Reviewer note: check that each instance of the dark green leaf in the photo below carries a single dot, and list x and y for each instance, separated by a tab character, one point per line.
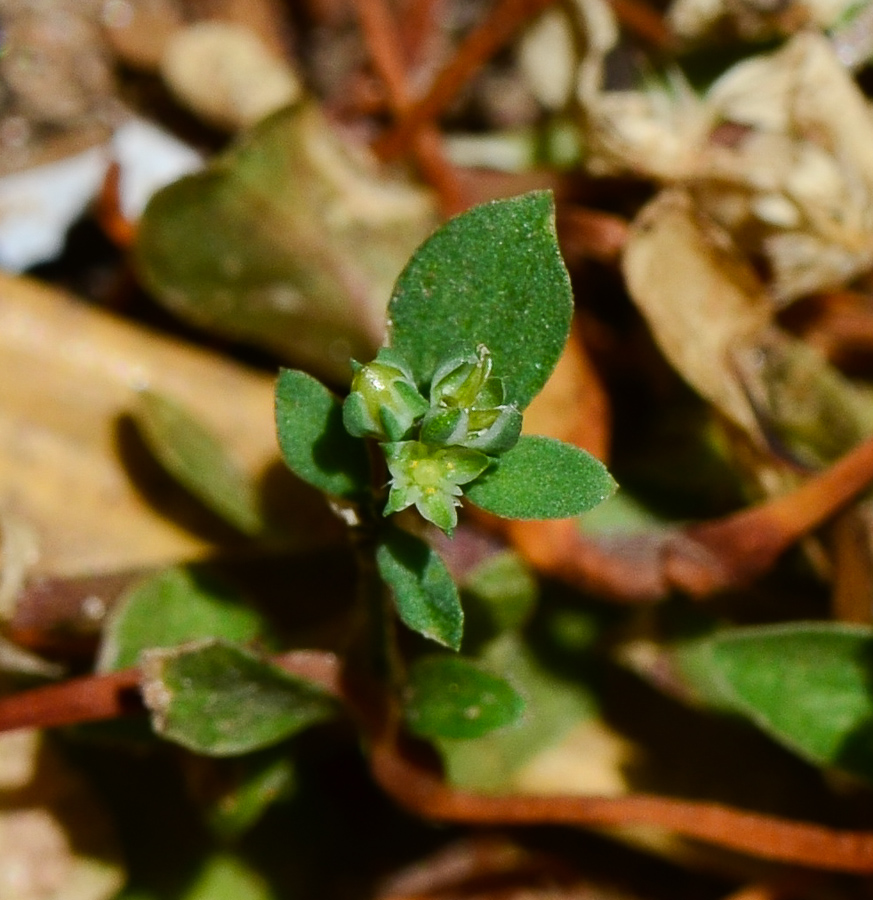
220	700
314	442
542	478
287	240
198	461
452	697
424	592
176	606
808	685
492	276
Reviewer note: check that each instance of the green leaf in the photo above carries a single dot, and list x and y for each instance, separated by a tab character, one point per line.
220	700
290	240
258	781
452	697
198	461
491	276
502	590
552	707
314	442
808	685
542	478
227	877
176	606
425	595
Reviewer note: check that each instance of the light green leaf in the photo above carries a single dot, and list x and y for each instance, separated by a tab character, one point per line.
290	239
808	685
542	478
452	697
258	781
227	877
424	593
314	443
503	591
176	606
220	700
491	276
198	461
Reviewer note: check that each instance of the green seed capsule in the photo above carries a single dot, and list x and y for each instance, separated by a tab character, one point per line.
384	402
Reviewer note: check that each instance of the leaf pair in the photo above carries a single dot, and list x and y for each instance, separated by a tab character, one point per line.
491	278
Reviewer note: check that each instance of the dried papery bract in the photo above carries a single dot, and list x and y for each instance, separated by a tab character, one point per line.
775	152
699	299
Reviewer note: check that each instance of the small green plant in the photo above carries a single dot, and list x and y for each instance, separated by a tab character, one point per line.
476	324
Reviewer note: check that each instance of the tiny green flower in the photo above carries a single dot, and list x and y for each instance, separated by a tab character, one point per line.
466	381
384	402
431	478
467	407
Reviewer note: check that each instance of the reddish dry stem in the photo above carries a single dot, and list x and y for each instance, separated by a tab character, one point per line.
640	19
591	233
736	549
94	698
118	229
90	699
384	42
504	21
110	696
418	19
762	836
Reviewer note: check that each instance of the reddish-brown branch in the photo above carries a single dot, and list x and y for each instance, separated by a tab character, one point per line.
94	698
591	233
120	230
421	791
640	19
734	550
90	699
504	21
384	41
765	837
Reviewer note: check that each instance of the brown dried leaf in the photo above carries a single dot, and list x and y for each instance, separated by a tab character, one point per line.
700	300
69	374
225	74
573	406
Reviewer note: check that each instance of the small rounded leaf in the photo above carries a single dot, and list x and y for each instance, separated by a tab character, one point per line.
425	595
542	478
493	276
452	697
314	443
218	699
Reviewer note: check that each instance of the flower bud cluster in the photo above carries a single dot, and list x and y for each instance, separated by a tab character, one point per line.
467	407
432	447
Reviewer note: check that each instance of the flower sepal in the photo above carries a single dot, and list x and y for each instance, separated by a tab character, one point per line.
430	479
384	402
